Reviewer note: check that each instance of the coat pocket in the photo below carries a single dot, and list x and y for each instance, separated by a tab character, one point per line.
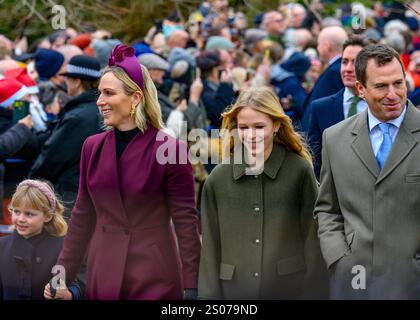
226	271
291	265
412	178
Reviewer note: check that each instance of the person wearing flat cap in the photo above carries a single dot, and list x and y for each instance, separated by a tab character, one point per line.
135	208
59	159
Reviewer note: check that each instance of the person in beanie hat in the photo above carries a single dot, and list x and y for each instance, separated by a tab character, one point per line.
79	119
48	63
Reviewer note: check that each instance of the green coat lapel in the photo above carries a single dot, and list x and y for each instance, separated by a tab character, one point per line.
271	166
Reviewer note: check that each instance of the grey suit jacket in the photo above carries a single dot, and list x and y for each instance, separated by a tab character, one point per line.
367	217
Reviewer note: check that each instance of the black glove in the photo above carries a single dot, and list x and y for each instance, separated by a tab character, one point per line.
190	294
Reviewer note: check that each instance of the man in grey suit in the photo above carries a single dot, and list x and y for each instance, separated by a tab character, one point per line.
368	208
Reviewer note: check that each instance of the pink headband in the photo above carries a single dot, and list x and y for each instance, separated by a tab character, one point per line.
43	188
123	56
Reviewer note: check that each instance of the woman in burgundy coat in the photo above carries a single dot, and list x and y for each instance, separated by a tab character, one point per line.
127	198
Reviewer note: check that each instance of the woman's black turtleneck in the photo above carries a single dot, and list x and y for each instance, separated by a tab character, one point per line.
123	138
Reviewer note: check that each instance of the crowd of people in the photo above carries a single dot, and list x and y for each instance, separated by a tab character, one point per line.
330	97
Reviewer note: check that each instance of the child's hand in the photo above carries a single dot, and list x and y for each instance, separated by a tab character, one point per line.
62	293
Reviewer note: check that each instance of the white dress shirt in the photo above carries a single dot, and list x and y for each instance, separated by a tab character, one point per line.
348	95
334	59
375	132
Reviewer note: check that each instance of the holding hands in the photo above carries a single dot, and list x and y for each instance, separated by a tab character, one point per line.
59	293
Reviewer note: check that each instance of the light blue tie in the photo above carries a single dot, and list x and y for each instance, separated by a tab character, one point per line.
386	145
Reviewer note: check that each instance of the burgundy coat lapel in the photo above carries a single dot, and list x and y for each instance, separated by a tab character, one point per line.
108	179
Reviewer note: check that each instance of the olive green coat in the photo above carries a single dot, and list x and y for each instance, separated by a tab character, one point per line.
259	237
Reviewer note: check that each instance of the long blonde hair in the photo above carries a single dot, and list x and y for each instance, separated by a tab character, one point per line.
148	110
264	100
35	199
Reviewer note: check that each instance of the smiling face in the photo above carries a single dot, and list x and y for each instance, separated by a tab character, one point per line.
114	104
348	74
256	131
385	91
28	222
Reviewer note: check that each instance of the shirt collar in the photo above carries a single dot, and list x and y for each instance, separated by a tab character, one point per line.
271	165
373	121
213	85
348	95
334	59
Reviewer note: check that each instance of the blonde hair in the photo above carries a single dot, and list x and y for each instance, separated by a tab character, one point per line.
35	199
264	100
148	110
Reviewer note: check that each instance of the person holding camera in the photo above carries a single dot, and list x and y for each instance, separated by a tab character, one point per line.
59	159
217	86
188	108
10	142
16	136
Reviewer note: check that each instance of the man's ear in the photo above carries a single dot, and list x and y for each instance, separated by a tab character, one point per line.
78	83
360	89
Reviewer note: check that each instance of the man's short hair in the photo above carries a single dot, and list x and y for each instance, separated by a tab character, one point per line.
89	85
381	54
357	40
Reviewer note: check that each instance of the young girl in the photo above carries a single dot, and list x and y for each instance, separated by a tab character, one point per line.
259	236
29	254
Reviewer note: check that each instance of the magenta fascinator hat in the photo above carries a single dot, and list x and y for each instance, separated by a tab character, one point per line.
123	56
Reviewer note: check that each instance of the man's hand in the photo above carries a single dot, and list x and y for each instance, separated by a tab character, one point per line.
195	91
182	106
226	76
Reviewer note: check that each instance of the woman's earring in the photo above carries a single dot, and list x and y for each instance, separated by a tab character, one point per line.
133	111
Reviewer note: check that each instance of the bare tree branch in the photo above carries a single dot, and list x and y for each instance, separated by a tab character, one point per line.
33	10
